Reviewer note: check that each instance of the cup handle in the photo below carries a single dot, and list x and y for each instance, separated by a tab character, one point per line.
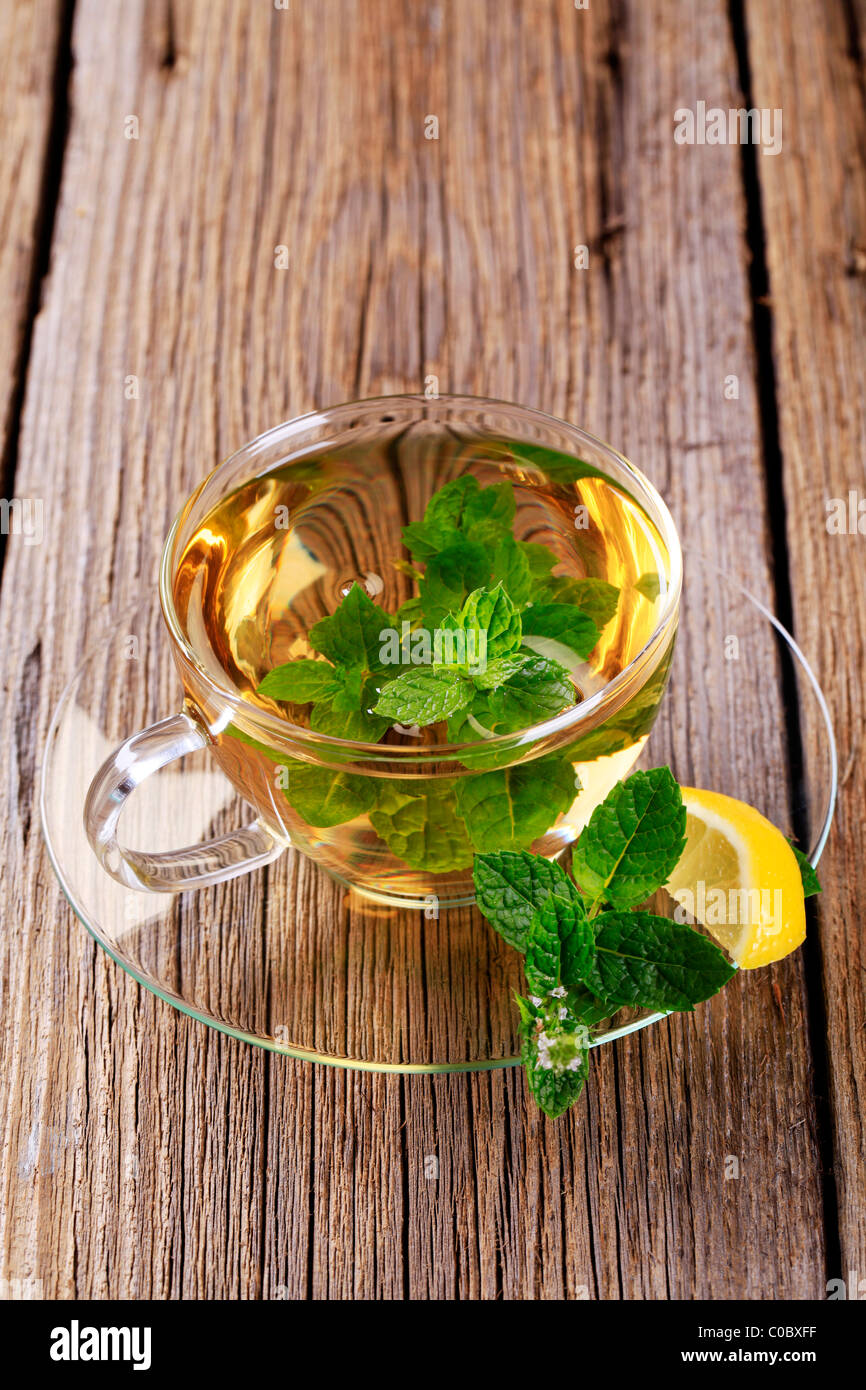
175	870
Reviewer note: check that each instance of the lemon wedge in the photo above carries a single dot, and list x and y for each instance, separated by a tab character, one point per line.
739	878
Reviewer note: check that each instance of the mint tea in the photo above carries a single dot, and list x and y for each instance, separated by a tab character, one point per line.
425	615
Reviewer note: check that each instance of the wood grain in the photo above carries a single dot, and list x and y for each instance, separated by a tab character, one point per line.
814	197
149	1156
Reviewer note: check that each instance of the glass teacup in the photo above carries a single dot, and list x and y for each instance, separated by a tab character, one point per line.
275	539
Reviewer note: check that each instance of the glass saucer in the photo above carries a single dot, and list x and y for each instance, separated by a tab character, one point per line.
290	960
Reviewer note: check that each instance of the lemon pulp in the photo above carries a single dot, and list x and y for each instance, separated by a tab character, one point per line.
739	878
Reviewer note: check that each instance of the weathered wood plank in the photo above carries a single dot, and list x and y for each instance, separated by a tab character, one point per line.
174	1162
809	62
30	31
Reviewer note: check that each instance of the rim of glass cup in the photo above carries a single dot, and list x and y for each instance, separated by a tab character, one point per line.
580	718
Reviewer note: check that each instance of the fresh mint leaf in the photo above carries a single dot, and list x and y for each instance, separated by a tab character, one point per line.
324	797
419	823
423	696
511	886
596	598
539	559
462	511
511	568
560	945
561	623
501	669
586	1007
447	505
450	577
358	725
298	682
344	694
411	610
538	691
424	539
488	513
650	962
511	807
811	884
491	612
351	635
456	651
341	697
633	840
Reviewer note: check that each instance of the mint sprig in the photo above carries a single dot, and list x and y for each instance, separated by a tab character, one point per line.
497	597
505	691
589	949
341	688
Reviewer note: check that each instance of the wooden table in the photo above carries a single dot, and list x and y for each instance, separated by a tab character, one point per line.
154	158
